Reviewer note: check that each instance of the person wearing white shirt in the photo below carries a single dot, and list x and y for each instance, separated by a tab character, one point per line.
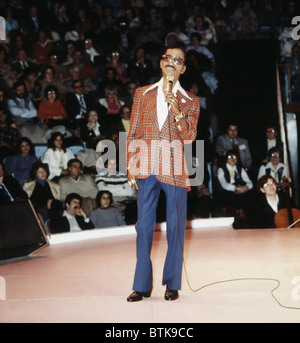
234	183
274	167
72	219
57	157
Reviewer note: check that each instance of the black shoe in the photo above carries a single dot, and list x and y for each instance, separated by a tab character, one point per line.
171	294
138	296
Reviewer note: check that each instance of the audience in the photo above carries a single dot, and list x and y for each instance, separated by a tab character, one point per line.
51	110
267	204
231	140
77	104
263	145
8	135
10	189
274	167
40	190
92	131
20	165
80	183
72	218
117	183
66	69
234	184
57	157
106	215
20	105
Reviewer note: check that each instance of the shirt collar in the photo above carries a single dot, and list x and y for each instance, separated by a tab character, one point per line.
177	87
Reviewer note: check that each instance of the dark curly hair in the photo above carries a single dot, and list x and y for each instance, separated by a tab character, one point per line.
35	167
99	196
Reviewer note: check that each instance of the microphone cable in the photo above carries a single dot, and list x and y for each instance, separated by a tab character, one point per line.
182	250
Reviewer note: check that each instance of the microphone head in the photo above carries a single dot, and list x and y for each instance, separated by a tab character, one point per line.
170	78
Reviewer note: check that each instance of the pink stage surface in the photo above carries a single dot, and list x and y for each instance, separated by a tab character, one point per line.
86	278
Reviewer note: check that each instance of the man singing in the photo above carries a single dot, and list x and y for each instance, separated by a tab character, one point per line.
164	117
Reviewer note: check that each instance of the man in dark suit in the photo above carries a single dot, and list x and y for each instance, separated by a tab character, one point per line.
23	63
10	190
72	219
263	145
78	104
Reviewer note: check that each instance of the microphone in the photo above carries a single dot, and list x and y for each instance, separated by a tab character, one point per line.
170	82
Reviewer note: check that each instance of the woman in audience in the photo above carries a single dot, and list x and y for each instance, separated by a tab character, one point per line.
234	184
111	101
91	132
268	203
57	157
51	110
41	190
106	215
274	167
48	78
20	164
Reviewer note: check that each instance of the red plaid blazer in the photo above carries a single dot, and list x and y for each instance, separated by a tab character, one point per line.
160	152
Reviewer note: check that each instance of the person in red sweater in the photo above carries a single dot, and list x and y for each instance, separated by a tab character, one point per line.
51	110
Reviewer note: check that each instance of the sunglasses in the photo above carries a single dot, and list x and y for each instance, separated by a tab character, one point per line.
176	60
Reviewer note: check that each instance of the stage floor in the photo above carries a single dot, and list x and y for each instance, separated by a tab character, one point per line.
88	280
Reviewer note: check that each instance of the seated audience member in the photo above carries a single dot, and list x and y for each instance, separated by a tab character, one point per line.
109	78
201	26
49	79
77	182
235	184
117	183
231	140
262	147
87	70
33	86
23	62
41	48
20	164
54	61
8	135
51	110
106	215
198	47
122	125
245	19
77	104
20	106
57	157
140	68
120	67
129	93
92	131
10	190
274	167
72	219
40	190
111	101
267	204
5	68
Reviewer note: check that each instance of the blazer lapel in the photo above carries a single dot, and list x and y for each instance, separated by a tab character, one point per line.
152	106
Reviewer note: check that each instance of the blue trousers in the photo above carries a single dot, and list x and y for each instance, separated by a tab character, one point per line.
176	211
